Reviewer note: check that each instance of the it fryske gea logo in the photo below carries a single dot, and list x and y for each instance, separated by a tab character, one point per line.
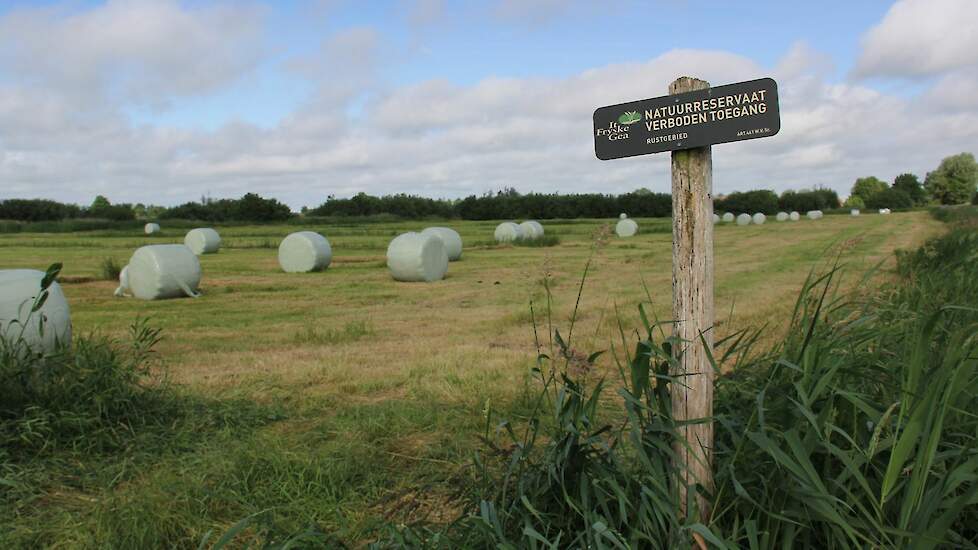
619	129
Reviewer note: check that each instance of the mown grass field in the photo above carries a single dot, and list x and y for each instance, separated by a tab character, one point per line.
346	399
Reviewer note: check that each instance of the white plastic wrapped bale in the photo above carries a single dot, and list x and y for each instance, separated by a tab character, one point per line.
123	289
416	257
794	216
161	271
743	219
782	216
728	217
18	326
812	215
508	232
202	240
304	252
531	229
854	212
151	228
626	227
716	218
884	210
759	218
450	238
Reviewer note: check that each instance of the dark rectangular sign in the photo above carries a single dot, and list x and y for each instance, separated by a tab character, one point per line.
745	110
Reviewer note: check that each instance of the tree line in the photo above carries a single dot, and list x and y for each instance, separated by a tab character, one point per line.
953	182
249	208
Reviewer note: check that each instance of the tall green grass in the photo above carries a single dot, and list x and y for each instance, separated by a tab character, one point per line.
856	430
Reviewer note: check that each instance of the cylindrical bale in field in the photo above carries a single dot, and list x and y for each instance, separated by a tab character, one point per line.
508	232
202	240
759	218
416	257
884	210
728	217
151	228
819	214
794	216
123	282
812	214
531	229
450	238
743	219
716	218
854	212
160	271
303	252
782	216
626	227
19	289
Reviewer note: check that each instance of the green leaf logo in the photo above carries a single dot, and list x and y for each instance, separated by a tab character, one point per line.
630	117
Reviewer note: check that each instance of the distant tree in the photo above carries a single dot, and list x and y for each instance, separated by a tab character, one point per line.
865	188
32	210
909	184
103	209
748	202
855	202
100	202
253	207
805	200
890	198
954	181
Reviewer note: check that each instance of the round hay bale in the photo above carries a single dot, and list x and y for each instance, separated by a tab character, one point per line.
743	219
450	238
416	257
794	216
884	210
759	218
531	229
123	289
854	212
304	252
160	271
812	214
19	288
727	217
151	228
626	228
716	218
202	240
782	216
508	232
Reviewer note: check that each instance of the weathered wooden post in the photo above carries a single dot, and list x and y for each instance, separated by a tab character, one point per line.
692	308
687	122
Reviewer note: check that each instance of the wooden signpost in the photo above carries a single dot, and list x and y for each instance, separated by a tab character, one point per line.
687	122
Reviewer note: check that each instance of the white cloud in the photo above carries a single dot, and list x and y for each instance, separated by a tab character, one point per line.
920	38
131	50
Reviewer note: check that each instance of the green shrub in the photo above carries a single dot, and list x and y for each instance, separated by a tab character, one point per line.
109	269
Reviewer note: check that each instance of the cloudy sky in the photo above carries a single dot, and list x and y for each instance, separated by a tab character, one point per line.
163	101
